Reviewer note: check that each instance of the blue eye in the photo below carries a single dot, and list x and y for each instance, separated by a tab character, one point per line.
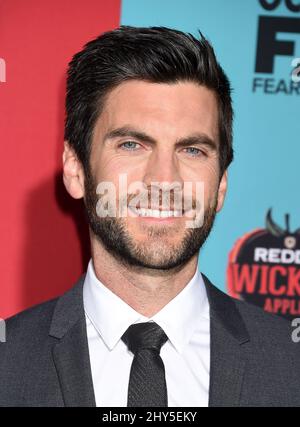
129	145
194	151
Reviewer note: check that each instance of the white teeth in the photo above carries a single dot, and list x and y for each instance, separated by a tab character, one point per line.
157	213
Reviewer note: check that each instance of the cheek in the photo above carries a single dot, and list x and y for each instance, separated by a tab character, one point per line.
112	164
108	168
206	173
210	172
209	177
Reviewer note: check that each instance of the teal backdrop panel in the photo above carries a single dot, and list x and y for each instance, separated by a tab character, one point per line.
265	173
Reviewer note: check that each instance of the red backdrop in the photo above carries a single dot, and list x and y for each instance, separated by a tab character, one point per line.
44	241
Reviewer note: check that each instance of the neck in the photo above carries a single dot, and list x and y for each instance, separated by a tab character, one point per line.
146	290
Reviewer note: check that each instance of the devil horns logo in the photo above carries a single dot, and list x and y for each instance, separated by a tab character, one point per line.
264	268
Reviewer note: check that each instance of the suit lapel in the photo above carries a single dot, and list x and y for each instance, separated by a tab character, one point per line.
71	354
229	338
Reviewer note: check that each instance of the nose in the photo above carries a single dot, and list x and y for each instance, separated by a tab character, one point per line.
162	176
162	167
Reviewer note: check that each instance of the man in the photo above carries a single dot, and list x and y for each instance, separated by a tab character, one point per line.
143	326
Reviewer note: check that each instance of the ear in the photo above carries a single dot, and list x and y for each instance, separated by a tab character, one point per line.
222	191
73	175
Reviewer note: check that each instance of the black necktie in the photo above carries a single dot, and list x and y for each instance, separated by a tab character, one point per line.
147	382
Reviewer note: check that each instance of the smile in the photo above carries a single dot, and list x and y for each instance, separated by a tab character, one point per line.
155	213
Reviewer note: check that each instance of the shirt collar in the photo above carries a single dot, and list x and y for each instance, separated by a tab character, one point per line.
111	316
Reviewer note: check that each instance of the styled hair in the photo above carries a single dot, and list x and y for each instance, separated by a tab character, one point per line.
154	54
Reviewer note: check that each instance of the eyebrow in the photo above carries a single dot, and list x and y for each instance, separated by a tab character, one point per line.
194	139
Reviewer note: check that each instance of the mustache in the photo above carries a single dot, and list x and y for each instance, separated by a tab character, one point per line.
167	200
114	201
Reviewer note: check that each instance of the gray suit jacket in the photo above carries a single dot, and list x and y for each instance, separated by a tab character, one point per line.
45	359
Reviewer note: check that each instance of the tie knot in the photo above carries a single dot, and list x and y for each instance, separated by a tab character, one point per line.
144	335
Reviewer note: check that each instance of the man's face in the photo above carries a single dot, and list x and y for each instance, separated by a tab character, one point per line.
155	133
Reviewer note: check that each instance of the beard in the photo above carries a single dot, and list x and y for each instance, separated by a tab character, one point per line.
156	251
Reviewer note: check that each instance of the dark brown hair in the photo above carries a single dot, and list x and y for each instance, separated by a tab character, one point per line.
154	54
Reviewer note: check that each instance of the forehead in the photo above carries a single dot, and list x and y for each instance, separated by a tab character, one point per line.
160	109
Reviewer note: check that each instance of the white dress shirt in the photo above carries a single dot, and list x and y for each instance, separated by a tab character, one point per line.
186	354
